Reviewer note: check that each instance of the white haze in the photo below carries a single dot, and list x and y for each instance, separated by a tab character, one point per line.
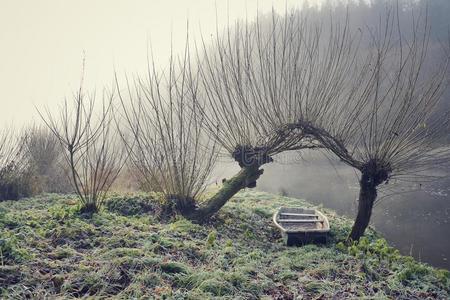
42	43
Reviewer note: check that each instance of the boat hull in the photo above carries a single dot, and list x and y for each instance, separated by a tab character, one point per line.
303	238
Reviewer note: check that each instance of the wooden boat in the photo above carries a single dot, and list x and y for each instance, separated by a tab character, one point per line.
301	226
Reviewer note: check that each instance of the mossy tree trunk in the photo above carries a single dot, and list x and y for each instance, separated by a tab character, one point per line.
246	177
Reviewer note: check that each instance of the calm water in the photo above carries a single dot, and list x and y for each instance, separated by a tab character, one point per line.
416	223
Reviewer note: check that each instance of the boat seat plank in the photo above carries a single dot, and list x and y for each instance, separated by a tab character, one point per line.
298	221
298	215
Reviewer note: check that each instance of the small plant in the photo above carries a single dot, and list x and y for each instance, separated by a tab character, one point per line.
443	276
62	213
378	248
211	239
174	267
412	271
216	287
131	206
10	251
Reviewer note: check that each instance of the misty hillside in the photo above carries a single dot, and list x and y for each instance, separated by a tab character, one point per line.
126	252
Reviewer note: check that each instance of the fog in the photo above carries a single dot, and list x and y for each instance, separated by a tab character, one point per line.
43	44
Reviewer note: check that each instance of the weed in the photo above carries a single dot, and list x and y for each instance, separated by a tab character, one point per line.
211	239
174	267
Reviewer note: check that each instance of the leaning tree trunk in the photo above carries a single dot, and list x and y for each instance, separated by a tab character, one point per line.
246	177
373	173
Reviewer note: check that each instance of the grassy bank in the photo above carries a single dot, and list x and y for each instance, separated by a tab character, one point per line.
48	249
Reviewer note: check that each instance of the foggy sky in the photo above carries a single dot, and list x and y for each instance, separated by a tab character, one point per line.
42	43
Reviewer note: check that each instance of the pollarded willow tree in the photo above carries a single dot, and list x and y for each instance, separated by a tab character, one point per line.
391	128
93	156
164	134
259	79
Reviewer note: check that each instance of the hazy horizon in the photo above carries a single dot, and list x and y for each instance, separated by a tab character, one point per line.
44	43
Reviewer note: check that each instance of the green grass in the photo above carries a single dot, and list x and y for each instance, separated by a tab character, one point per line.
48	250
